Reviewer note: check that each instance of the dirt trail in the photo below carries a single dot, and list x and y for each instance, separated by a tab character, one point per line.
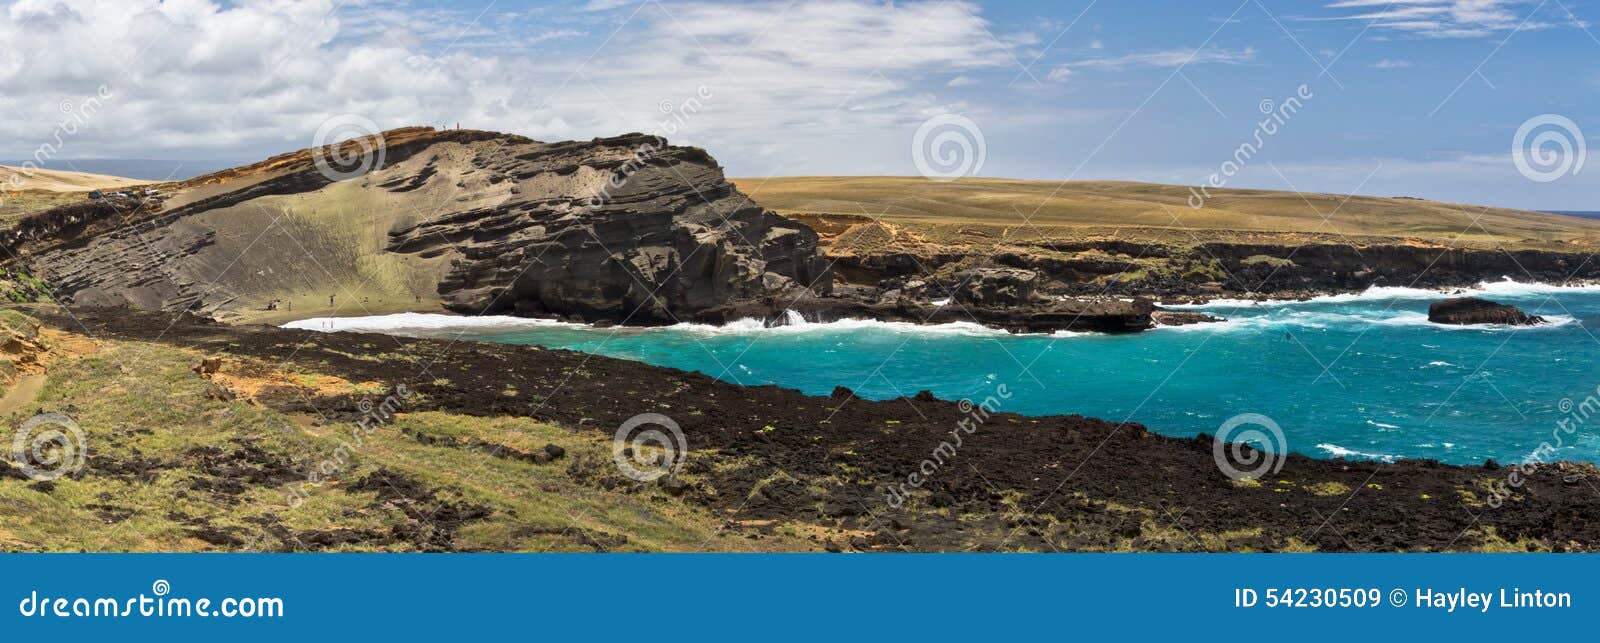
22	393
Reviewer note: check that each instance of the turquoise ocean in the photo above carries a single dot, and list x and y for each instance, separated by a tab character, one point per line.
1361	376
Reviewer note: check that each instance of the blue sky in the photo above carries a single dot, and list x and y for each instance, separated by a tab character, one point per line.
1411	97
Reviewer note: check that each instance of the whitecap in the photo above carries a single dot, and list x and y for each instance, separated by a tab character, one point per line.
1337	451
1319	320
1381	425
1506	287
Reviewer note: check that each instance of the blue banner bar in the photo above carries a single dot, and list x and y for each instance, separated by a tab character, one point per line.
794	597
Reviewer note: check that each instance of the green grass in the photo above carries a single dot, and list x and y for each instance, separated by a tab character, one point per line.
141	403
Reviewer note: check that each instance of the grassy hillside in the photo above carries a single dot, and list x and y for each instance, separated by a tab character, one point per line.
180	461
1015	209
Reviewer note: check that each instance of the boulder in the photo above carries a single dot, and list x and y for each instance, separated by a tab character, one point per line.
1463	311
996	287
1182	318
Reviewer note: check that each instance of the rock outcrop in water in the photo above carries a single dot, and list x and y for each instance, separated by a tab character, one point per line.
1463	311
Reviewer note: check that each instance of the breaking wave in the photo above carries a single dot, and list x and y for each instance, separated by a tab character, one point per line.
1336	451
433	323
1506	287
1284	318
401	322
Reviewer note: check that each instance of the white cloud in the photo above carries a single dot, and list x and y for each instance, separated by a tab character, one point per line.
554	34
1166	59
1392	63
1171	58
607	5
961	81
201	78
1450	18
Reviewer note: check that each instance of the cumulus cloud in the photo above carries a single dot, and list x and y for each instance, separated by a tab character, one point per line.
198	76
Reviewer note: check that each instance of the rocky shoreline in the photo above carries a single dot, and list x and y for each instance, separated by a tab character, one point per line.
1061	483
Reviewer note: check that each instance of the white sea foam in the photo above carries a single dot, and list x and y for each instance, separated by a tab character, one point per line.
1506	287
751	326
1381	425
1289	319
401	322
1252	316
1337	451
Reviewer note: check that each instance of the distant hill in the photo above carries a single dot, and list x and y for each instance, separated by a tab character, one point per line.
142	169
15	179
1576	213
1018	209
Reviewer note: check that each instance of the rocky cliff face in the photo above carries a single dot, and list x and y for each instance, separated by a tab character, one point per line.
1179	271
625	229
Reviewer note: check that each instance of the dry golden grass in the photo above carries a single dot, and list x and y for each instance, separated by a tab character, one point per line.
24	192
18	179
1020	209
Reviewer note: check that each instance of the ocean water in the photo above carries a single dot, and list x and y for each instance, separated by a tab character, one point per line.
1359	376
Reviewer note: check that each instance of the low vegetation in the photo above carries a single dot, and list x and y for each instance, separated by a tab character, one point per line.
179	461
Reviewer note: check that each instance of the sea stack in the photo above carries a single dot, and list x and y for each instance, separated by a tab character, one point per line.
1462	311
